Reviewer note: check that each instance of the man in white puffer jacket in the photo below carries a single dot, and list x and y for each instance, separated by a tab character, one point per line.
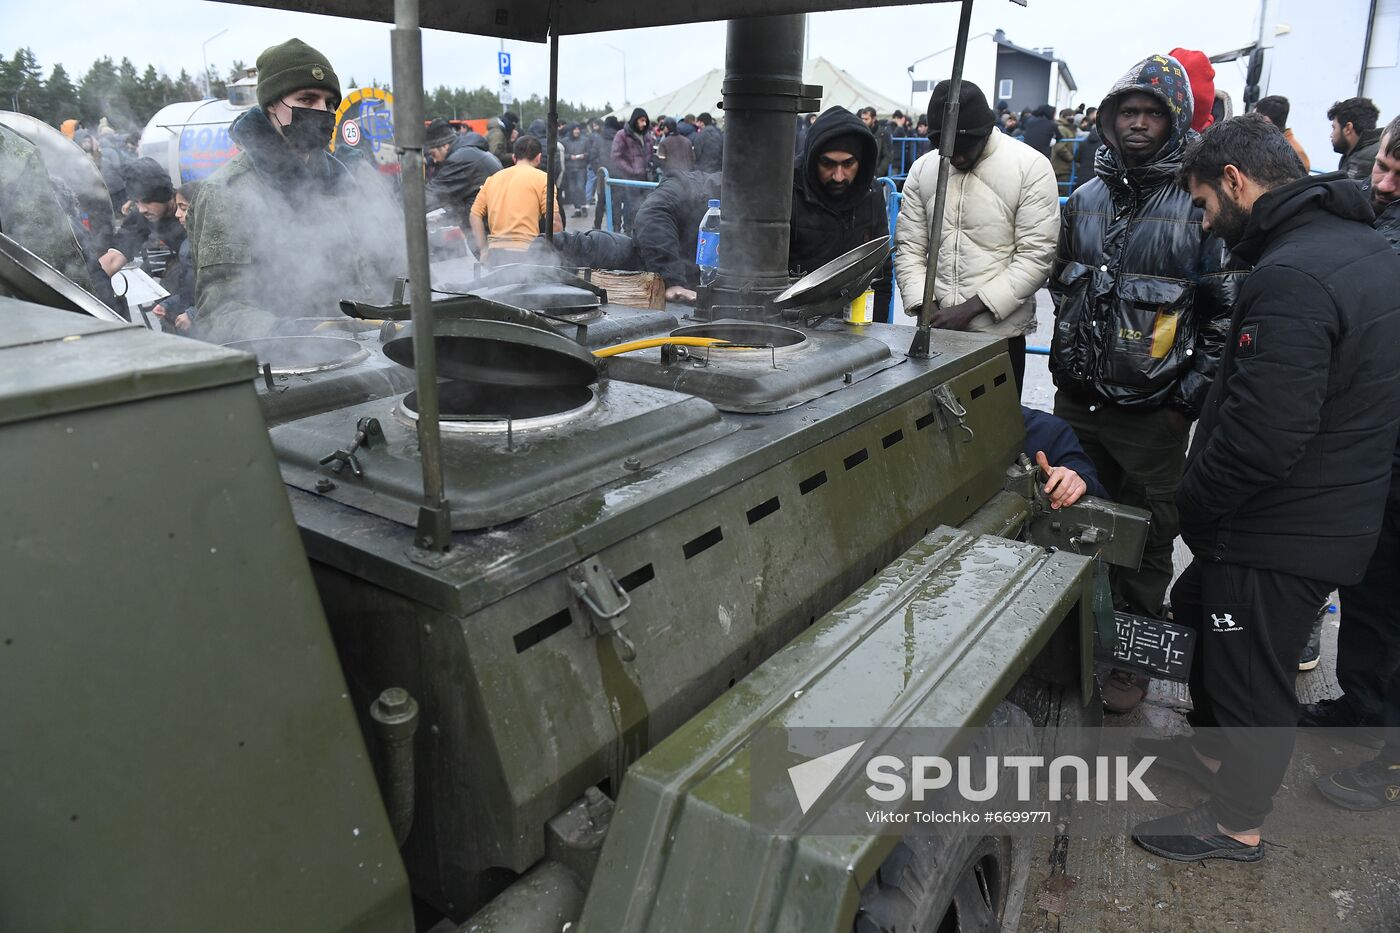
1000	227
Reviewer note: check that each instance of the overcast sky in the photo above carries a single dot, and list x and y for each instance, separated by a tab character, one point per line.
1099	39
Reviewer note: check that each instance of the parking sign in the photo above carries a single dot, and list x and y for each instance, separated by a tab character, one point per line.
503	63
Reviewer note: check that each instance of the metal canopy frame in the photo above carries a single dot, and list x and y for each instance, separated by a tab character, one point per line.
538	20
530	20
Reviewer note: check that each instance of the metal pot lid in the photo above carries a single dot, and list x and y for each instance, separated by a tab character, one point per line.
542	296
844	278
501	353
26	276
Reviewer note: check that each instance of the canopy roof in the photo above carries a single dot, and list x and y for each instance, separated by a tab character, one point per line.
529	19
839	88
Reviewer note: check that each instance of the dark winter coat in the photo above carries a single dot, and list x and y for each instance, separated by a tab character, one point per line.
274	239
1040	131
1290	466
709	149
630	149
884	148
1142	295
1357	163
668	226
576	148
179	281
159	241
602	147
685	129
498	140
457	181
1084	158
1054	436
824	228
598	249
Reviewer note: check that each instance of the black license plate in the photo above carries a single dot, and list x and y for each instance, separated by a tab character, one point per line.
1162	649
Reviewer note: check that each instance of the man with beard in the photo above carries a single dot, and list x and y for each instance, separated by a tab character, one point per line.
150	226
1354	135
835	206
1368	656
458	170
283	231
630	149
1288	472
1142	302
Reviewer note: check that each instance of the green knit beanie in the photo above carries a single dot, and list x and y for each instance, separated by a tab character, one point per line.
291	66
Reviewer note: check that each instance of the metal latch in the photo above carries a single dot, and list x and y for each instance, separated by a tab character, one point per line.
597	590
367	432
949	403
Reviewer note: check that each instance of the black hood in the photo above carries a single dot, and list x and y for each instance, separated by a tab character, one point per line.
1273	211
837	121
637	114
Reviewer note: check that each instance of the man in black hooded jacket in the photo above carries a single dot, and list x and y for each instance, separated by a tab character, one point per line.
1142	301
459	169
1289	469
667	226
835	206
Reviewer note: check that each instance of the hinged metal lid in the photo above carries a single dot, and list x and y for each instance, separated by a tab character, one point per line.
842	279
501	353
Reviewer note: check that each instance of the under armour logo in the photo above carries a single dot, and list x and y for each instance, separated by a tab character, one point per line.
1224	623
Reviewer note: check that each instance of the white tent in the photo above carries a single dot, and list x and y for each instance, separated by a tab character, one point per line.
839	88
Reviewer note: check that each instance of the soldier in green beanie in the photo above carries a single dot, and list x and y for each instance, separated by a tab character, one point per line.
284	231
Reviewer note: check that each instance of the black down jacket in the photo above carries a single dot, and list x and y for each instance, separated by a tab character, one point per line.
823	226
668	226
1142	295
1290	465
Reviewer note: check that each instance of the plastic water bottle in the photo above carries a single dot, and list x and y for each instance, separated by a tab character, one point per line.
707	244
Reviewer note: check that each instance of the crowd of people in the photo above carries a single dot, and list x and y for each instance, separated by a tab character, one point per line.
1200	276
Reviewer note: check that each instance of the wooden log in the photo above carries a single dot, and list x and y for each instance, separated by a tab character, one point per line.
632	289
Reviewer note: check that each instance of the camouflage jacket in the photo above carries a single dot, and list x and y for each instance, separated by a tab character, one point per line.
31	213
275	241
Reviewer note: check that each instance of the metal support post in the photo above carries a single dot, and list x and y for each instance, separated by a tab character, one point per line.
923	337
434	521
552	133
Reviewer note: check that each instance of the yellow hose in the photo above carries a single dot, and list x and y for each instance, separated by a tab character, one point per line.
661	342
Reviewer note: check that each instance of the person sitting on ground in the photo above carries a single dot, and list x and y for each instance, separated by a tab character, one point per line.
511	207
668	225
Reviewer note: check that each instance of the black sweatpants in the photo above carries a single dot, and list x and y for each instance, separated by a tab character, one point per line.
1250	626
1368	645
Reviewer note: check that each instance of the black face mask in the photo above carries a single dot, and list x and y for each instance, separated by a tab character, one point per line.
310	129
